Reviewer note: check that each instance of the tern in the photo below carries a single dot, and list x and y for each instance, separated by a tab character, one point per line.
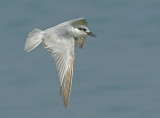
61	40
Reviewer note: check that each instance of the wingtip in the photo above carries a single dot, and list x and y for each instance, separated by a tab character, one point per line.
65	105
60	93
26	50
82	18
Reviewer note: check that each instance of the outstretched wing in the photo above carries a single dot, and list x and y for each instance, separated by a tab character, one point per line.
64	62
63	53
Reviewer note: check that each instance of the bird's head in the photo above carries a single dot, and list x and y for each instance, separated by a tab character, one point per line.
84	30
80	31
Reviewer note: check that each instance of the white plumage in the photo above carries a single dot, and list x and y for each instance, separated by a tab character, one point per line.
61	40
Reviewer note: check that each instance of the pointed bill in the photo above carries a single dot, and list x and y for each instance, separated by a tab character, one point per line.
91	34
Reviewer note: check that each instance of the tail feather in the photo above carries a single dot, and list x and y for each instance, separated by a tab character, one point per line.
33	40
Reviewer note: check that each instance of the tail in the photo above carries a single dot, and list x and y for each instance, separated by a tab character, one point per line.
33	40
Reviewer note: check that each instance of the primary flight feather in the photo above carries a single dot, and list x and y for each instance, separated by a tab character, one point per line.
61	40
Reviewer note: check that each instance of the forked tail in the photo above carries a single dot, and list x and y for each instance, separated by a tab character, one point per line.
33	40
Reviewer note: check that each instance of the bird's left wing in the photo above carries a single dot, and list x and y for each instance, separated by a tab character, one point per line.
80	41
63	53
79	21
76	22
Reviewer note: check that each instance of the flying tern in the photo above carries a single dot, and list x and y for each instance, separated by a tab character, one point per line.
61	40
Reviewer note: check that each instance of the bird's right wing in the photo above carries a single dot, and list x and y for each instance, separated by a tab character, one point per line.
63	53
64	62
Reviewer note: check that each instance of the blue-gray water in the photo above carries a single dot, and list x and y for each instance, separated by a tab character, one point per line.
116	75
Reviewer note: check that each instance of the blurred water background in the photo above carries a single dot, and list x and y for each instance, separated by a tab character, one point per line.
116	75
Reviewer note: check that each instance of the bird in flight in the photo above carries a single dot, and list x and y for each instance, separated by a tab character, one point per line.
61	40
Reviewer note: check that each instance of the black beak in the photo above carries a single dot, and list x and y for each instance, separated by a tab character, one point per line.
91	34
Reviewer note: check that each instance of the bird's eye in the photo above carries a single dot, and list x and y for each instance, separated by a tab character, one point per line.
84	29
